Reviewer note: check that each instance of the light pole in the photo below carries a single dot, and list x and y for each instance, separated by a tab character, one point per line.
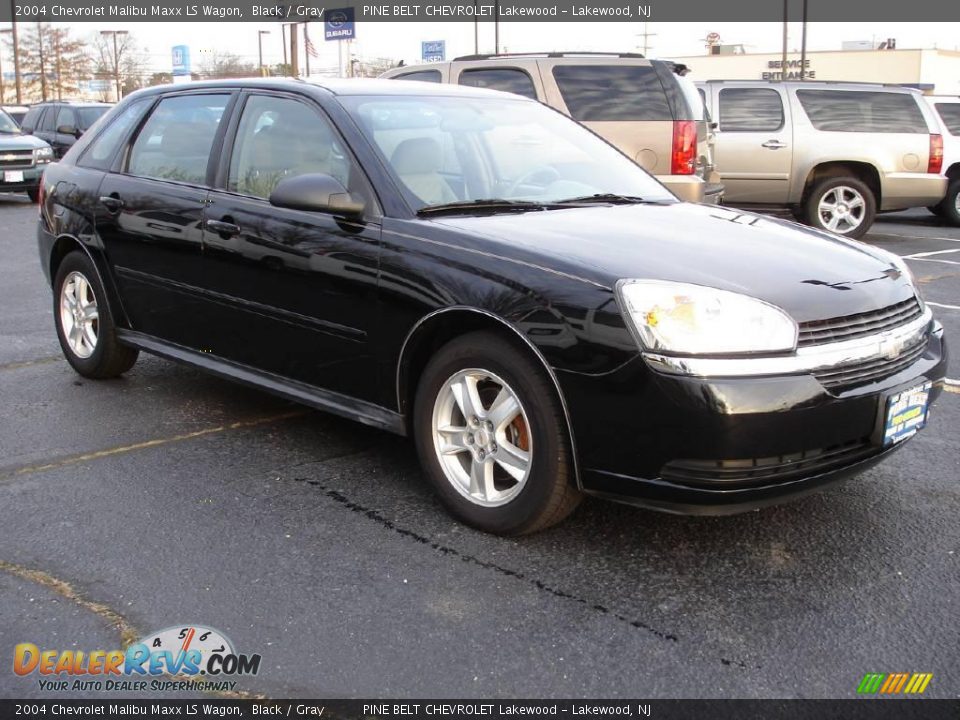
116	58
260	34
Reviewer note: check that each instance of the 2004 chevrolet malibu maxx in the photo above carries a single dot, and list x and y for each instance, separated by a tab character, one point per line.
478	271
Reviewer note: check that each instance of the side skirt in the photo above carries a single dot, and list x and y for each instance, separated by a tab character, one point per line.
343	405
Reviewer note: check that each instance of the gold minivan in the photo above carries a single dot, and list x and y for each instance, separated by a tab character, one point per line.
634	103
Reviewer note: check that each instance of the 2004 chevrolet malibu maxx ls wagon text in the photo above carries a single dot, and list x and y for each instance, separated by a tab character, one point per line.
480	272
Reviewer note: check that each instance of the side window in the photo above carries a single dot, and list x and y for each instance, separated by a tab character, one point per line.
102	150
511	80
750	110
47	124
421	75
950	114
67	117
175	142
32	119
616	93
862	111
279	138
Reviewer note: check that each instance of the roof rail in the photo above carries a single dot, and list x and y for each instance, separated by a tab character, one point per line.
580	53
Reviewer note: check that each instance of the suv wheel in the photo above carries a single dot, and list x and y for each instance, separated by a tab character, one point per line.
842	205
492	439
949	207
84	321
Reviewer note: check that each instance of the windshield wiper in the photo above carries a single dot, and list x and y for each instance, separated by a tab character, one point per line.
486	205
607	199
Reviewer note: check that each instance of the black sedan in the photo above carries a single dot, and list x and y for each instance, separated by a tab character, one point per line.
480	272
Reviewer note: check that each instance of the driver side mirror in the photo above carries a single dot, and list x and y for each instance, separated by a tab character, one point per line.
316	192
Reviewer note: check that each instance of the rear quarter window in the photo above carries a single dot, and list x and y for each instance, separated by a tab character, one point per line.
101	151
31	119
862	111
612	93
420	75
950	114
511	80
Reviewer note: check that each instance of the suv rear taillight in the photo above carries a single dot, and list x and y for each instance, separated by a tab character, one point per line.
683	157
935	165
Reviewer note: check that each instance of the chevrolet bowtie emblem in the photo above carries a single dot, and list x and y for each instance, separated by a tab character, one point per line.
891	346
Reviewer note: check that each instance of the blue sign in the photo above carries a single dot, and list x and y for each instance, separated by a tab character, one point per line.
433	50
339	24
181	59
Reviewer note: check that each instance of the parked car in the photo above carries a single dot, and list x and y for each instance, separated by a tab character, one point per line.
62	123
947	108
22	159
706	135
834	153
17	112
634	103
545	319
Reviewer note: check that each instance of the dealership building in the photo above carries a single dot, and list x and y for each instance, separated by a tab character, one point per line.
933	71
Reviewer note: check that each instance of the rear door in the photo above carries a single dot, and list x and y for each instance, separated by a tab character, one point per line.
296	291
151	214
755	144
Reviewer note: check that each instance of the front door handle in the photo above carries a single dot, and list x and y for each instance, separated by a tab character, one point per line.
111	202
223	228
773	145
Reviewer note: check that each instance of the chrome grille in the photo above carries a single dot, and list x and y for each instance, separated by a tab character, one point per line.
11	159
848	376
849	327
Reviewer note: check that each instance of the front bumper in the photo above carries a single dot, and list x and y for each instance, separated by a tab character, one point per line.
31	179
906	190
700	445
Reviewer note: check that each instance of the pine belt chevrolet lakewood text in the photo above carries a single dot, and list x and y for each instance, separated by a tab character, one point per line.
478	271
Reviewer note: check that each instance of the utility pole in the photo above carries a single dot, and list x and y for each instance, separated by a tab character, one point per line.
496	27
260	34
783	62
16	50
803	45
646	35
476	30
43	68
116	56
306	48
294	54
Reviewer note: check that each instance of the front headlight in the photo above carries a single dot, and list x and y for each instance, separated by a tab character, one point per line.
689	319
43	154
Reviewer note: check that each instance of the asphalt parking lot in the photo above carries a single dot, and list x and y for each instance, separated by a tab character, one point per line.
170	497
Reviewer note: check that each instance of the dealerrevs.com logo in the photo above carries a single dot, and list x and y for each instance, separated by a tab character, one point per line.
177	658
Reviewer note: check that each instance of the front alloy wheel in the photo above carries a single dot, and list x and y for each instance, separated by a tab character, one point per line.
482	437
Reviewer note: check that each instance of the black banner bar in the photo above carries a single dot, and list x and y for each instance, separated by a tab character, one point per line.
134	709
484	11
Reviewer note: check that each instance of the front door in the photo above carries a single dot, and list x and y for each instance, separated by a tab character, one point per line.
297	290
151	214
755	145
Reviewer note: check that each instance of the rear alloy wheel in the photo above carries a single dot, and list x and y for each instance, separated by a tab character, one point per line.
949	207
492	437
845	206
84	322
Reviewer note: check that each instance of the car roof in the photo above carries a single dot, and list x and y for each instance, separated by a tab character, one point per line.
832	84
336	86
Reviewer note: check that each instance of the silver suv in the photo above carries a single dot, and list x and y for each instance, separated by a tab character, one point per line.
834	153
634	103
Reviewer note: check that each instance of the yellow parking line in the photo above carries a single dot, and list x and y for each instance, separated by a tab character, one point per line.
31	363
76	459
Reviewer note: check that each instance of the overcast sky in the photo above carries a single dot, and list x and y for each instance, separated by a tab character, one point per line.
384	39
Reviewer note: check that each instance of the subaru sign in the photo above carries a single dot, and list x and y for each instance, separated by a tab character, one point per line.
181	60
339	24
433	50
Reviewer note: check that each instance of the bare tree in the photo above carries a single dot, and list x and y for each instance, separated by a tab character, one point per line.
217	64
374	67
52	64
119	58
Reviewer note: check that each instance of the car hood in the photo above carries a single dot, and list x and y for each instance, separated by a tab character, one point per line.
21	142
811	274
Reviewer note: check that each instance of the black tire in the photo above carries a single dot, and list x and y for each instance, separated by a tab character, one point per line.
108	357
34	195
548	494
811	214
948	208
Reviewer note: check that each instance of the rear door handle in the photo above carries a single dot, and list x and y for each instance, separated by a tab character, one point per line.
225	229
773	145
111	202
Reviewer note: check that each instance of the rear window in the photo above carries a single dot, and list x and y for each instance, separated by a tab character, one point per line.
950	114
615	93
862	111
750	110
31	119
511	80
421	75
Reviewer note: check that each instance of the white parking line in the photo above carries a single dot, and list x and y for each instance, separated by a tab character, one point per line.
936	260
945	307
915	237
917	256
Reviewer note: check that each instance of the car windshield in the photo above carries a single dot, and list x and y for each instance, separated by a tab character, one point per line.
463	150
8	126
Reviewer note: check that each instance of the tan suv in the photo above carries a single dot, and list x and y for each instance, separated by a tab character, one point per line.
834	153
634	103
